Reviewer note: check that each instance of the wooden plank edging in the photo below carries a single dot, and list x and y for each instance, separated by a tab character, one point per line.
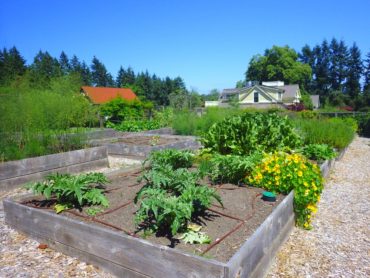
256	254
14	173
114	251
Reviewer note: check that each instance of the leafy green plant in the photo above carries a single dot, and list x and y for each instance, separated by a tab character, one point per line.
175	158
242	135
171	197
161	210
194	237
232	168
281	173
135	125
166	178
318	152
72	191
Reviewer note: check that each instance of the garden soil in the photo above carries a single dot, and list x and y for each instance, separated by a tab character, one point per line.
242	204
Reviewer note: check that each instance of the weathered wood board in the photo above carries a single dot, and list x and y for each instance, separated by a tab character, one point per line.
15	173
116	252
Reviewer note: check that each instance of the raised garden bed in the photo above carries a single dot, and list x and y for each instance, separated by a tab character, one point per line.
15	173
111	240
141	144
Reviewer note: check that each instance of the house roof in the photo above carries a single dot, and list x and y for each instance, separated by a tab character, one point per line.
99	95
290	91
315	100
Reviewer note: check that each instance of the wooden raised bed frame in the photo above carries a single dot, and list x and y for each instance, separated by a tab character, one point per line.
127	256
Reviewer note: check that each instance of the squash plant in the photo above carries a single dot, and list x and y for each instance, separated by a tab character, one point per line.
72	191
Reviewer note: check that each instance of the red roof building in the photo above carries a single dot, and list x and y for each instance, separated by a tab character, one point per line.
99	95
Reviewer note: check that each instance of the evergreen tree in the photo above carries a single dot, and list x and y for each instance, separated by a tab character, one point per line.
120	74
100	76
307	56
65	66
12	65
76	67
75	64
85	73
338	62
129	77
145	83
366	74
43	69
352	86
179	84
321	69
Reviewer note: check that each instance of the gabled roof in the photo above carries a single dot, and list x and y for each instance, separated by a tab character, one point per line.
99	95
264	90
290	91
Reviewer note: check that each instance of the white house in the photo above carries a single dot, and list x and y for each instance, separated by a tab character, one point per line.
269	94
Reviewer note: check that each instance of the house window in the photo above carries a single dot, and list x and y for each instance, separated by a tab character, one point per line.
256	97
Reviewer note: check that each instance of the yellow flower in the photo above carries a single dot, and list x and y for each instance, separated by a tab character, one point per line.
305	183
312	208
300	173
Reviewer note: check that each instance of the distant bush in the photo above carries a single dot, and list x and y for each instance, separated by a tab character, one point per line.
189	123
363	124
119	109
35	122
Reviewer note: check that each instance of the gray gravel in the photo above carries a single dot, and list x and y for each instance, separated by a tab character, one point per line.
339	243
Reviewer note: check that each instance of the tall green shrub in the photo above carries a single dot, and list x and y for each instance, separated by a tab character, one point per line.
244	134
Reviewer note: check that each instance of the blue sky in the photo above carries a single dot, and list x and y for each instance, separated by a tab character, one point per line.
207	43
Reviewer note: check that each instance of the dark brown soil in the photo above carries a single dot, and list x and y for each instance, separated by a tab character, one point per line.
147	140
243	209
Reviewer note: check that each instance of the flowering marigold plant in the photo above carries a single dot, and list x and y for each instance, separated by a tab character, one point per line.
281	172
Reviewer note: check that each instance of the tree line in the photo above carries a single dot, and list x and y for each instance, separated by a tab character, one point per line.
45	69
332	70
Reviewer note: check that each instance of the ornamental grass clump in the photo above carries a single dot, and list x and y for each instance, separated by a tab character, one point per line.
281	172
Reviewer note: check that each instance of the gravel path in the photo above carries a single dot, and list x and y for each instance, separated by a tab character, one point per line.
339	243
